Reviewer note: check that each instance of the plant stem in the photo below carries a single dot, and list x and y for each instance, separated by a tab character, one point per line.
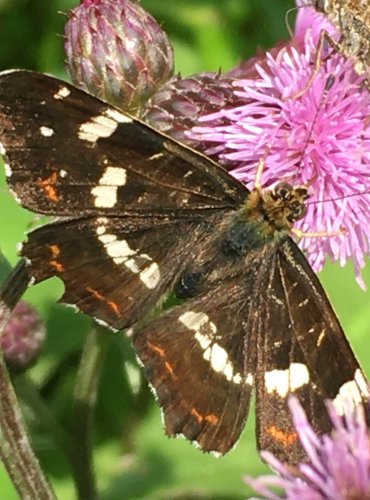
30	396
12	290
84	402
15	448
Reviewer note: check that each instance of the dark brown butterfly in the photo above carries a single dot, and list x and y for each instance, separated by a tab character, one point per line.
142	216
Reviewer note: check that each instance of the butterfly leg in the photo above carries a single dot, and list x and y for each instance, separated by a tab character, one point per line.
257	179
318	234
260	166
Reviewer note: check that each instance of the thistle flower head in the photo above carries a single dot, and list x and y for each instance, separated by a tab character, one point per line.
177	106
338	466
312	131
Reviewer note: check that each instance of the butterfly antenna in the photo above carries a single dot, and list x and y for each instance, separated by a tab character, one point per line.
286	19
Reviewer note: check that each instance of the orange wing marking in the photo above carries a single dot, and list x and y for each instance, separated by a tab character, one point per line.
285	438
156	349
55	251
210	419
112	305
170	369
48	185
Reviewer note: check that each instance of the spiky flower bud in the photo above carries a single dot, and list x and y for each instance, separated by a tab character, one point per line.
117	51
22	337
179	104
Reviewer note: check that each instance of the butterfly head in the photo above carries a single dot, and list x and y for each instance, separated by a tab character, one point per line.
289	202
275	210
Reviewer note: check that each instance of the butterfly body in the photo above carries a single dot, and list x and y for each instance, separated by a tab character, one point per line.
142	216
262	220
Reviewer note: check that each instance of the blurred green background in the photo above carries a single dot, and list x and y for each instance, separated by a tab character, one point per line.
134	460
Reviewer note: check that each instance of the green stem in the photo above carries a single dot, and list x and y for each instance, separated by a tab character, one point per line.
84	402
30	396
12	289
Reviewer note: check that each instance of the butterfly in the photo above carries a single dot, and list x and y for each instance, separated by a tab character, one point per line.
140	216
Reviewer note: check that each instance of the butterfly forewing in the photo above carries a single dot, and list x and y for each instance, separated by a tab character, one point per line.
69	153
318	330
312	360
283	367
145	216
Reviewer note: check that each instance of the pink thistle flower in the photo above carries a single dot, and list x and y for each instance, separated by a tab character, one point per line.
321	138
338	466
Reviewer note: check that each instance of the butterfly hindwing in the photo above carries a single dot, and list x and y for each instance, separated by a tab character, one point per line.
238	335
115	269
199	368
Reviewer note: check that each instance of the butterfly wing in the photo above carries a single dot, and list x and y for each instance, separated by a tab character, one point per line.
261	328
70	154
317	329
135	199
305	352
115	269
200	368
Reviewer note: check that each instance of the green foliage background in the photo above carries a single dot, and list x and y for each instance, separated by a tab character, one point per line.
133	458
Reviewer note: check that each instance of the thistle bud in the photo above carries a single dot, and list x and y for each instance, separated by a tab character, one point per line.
116	51
179	104
22	337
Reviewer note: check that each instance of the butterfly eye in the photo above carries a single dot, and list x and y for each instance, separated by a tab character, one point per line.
297	211
302	193
283	191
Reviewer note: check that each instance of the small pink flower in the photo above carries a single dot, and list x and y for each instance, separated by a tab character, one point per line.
338	466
